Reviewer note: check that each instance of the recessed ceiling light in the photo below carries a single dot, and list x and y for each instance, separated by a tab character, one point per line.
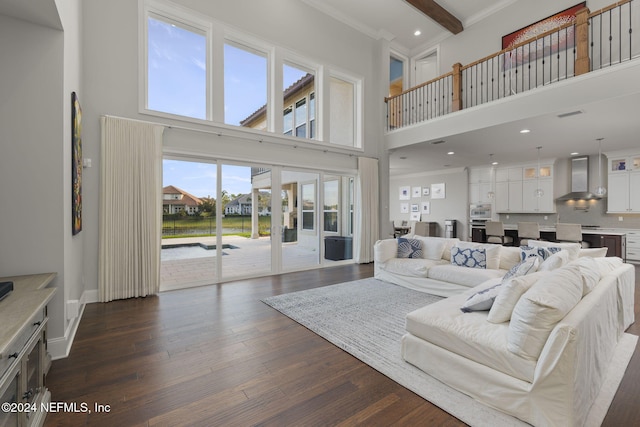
525	131
451	153
403	157
494	163
417	33
575	153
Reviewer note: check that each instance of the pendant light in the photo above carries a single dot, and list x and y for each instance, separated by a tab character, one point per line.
491	194
600	191
539	191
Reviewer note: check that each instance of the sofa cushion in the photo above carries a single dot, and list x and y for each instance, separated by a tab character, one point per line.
449	243
509	256
510	293
432	247
468	335
573	248
384	250
409	248
540	308
409	266
593	252
589	273
556	260
608	264
464	276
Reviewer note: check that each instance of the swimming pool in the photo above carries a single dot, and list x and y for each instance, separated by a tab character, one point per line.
190	250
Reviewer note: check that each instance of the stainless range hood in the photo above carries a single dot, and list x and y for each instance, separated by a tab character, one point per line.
579	181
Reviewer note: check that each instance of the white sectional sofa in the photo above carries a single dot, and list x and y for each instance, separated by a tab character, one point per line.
433	272
544	364
534	343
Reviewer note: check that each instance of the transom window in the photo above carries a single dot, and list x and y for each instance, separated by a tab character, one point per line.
186	73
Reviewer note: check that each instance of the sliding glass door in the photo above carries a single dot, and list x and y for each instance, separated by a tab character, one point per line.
246	221
223	221
189	229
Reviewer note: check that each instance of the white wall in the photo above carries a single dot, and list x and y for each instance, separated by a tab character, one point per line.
453	206
32	166
110	86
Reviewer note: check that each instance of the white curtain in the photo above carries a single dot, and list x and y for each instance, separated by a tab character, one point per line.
130	208
367	200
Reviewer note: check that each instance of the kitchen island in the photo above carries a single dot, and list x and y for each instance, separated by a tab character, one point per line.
612	238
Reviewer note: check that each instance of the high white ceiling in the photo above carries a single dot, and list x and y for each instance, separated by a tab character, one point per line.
398	20
614	118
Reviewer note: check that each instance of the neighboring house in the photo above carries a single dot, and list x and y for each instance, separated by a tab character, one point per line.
299	110
175	200
241	205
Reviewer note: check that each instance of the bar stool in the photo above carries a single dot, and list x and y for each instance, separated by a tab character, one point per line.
570	233
528	231
495	233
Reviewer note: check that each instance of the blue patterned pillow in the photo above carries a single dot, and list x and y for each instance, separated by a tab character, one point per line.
472	258
540	252
409	248
524	267
481	301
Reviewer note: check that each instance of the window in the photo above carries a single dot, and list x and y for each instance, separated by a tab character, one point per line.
396	76
331	212
299	86
245	86
308	206
301	118
176	67
342	119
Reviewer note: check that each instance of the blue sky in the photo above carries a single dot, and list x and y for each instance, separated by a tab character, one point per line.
177	84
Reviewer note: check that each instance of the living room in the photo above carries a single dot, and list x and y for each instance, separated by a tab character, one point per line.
93	48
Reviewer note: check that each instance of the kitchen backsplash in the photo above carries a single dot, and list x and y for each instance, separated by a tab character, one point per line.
580	212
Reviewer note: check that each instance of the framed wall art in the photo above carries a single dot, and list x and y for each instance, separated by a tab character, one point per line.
76	164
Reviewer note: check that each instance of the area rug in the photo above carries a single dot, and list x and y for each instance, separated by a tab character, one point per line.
366	318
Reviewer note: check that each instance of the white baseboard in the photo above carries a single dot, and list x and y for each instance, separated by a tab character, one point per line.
60	347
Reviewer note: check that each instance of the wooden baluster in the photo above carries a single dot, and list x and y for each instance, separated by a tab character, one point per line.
456	101
582	42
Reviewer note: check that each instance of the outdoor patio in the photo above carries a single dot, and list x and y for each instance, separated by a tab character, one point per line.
244	257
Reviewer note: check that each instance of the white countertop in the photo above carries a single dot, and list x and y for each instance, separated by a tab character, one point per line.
551	228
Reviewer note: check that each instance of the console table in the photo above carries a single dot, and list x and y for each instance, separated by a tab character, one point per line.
24	361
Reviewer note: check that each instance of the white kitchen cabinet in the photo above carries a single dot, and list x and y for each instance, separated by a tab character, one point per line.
509	197
533	204
624	183
633	246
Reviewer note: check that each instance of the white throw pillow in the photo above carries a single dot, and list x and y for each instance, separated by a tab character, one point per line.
509	256
510	293
573	248
432	247
492	252
541	308
556	260
589	272
593	252
481	300
449	243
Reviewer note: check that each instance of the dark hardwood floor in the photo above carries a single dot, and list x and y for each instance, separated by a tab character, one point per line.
217	356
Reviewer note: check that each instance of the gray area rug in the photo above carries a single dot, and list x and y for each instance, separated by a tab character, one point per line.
366	318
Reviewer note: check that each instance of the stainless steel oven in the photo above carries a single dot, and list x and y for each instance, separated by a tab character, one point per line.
480	211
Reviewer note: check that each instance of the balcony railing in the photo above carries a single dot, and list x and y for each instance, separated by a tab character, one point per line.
592	42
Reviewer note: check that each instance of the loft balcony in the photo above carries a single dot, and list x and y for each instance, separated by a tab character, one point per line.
592	59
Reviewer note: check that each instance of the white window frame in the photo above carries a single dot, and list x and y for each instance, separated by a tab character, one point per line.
183	18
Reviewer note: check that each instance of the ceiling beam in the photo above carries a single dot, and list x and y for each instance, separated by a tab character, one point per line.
439	14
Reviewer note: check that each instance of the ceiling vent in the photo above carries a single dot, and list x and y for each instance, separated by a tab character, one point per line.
572	113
